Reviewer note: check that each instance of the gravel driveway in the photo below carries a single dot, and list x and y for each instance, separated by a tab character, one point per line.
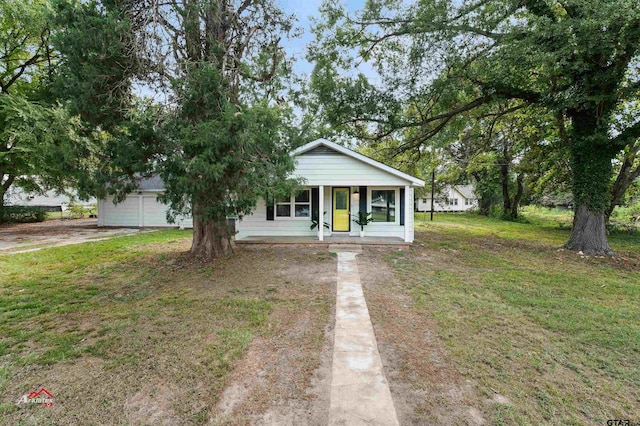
19	238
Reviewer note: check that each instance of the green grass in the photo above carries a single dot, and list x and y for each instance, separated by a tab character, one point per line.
540	225
127	301
555	332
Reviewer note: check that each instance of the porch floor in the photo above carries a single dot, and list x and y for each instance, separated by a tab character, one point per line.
334	239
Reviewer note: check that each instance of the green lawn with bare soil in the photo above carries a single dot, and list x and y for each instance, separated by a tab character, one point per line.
132	331
531	333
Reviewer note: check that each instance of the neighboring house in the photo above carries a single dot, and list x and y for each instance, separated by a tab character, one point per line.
456	198
139	209
338	182
49	201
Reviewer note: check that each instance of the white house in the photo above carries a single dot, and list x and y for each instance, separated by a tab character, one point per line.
139	209
49	200
456	198
338	182
349	182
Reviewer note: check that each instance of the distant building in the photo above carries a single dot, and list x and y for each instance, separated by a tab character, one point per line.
456	198
49	201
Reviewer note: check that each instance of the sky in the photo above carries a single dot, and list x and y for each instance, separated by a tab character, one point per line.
305	10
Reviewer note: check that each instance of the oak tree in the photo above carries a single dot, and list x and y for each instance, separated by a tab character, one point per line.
572	58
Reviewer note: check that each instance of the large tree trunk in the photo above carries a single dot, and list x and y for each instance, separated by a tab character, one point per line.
4	188
504	178
485	201
2	192
592	170
506	197
484	206
211	239
589	233
516	199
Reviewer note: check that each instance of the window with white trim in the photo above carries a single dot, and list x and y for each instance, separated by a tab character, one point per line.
303	203
296	205
283	206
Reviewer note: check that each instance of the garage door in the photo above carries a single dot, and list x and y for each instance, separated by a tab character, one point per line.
155	213
122	214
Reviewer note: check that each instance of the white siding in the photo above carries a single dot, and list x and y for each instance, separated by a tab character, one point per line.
340	170
187	222
408	211
137	210
155	213
328	207
101	212
380	230
122	214
422	206
257	225
440	204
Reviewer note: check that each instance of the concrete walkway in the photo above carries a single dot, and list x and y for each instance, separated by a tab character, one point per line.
359	391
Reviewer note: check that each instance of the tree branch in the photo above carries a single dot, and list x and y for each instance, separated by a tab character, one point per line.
622	139
7	184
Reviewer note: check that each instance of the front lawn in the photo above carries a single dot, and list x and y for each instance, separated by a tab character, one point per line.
493	321
131	331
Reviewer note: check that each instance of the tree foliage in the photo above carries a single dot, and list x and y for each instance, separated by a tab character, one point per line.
219	139
37	137
439	59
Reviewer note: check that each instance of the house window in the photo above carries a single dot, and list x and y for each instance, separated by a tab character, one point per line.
383	205
297	205
453	201
283	207
467	201
424	200
303	203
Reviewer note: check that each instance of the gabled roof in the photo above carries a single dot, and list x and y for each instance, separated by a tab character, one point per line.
467	191
153	183
346	151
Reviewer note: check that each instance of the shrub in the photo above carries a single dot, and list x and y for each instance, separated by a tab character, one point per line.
78	211
626	213
22	214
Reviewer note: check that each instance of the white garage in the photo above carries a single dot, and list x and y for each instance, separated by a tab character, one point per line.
141	209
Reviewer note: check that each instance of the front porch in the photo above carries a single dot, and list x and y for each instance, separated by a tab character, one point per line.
331	239
336	185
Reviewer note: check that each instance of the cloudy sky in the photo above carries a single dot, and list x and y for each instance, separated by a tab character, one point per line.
305	10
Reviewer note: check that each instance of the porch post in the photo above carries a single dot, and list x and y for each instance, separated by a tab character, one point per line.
408	210
321	213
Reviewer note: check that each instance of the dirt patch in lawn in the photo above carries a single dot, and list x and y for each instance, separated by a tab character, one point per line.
284	377
425	387
498	331
25	237
164	341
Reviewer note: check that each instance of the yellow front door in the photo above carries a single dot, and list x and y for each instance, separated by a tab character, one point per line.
341	209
